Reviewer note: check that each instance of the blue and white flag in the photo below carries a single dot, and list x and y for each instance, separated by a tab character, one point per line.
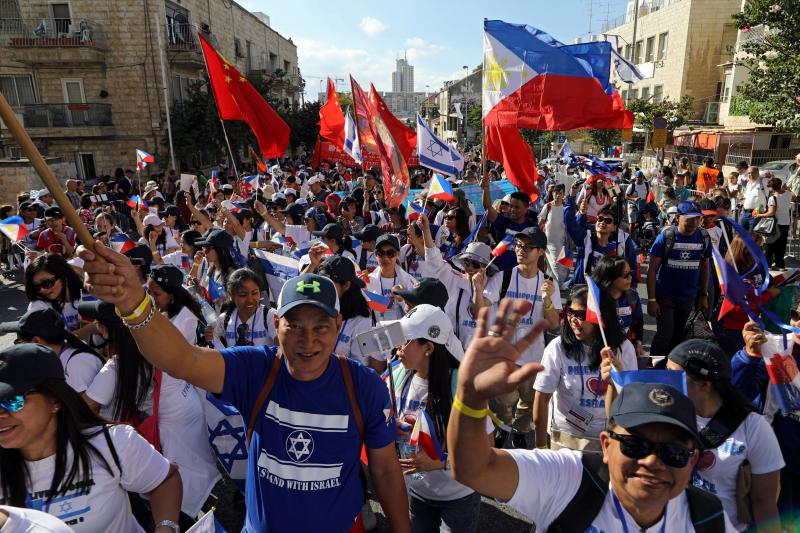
226	435
566	151
277	269
351	144
41	29
435	153
627	71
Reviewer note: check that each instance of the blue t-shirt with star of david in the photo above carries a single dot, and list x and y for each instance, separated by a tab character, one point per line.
304	457
679	274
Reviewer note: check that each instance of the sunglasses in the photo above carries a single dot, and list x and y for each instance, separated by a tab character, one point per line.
449	217
626	275
471	263
386	253
580	314
606	220
14	404
194	222
519	245
45	284
634	447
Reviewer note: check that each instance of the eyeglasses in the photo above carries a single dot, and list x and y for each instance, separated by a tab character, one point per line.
635	447
386	253
580	314
605	220
45	284
519	245
471	263
626	275
14	404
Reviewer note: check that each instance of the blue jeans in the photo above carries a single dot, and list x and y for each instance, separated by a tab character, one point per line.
746	219
434	516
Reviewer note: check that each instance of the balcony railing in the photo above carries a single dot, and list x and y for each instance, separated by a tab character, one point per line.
758	157
181	36
64	115
52	33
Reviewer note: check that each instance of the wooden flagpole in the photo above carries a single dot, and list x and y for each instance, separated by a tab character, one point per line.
44	171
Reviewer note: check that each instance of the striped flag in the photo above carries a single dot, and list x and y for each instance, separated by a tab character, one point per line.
564	260
14	228
251	182
231	206
351	144
503	245
143	159
377	302
593	303
120	243
428	441
135	202
440	189
673	378
414	210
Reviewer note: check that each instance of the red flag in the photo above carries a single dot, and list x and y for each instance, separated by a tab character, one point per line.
237	99
393	165
507	146
331	118
260	164
316	159
405	137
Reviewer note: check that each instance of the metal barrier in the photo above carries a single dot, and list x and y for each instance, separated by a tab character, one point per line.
64	115
51	33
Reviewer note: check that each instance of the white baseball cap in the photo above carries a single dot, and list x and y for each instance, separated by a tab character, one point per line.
316	179
428	322
152	220
288	191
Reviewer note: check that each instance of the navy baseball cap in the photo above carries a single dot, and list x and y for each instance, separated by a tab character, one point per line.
689	209
215	238
36	322
309	289
535	235
702	358
341	270
25	366
330	231
167	276
387	238
425	291
639	404
370	232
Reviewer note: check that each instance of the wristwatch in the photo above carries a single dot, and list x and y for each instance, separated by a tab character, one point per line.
170	524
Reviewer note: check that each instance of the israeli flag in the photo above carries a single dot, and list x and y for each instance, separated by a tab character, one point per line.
351	144
277	269
627	71
434	153
566	151
41	29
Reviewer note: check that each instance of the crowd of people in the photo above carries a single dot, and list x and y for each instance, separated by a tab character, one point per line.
422	356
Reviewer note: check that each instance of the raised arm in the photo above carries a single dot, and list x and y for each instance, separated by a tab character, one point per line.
574	221
486	198
273	222
112	278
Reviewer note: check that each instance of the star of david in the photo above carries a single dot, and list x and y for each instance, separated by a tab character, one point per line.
237	453
685	255
434	148
65	507
299	445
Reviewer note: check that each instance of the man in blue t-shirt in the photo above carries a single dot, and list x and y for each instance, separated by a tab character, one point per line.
304	452
677	277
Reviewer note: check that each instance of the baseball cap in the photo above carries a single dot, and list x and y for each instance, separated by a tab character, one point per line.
425	291
689	209
387	238
24	206
53	212
702	358
341	270
429	322
227	187
638	173
141	251
476	251
289	191
654	403
317	216
41	322
215	238
535	235
294	209
330	231
190	236
25	366
316	179
152	220
278	196
98	310
167	276
43	192
302	202
309	289
170	211
370	232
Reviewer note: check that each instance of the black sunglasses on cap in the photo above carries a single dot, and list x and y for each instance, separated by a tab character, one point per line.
635	447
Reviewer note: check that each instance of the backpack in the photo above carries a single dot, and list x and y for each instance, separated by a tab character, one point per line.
227	320
705	509
669	239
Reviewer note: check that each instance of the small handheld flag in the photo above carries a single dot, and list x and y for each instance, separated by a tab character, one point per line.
414	210
377	302
440	189
503	246
593	304
143	159
413	440
135	202
673	378
120	243
14	228
230	206
564	260
251	182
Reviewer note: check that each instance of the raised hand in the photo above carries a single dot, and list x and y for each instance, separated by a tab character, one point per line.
111	277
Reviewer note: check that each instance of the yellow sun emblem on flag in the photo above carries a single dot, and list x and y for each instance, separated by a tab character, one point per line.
495	72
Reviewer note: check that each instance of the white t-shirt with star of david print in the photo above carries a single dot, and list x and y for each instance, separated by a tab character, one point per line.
21	520
530	289
548	480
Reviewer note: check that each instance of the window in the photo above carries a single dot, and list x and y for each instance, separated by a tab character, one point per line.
286	67
248	46
628	52
637	52
634	94
263	64
61	17
625	96
645	93
663	41
180	89
179	31
237	48
658	93
273	62
18	90
649	53
727	85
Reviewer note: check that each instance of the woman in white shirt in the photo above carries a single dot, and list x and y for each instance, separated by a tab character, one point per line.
551	220
246	322
388	275
58	456
779	206
733	433
165	285
572	378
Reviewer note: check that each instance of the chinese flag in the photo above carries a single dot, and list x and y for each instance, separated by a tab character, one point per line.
331	118
237	99
405	137
393	165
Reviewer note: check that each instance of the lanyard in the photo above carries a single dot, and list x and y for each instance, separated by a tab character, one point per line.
599	379
252	324
341	332
621	515
535	294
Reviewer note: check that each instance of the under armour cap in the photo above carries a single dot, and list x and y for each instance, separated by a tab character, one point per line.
425	291
25	366
429	322
702	358
654	403
309	289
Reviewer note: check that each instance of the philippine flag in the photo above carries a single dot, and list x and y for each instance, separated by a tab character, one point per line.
564	260
14	228
593	314
503	245
414	210
251	183
427	439
377	302
143	159
134	202
230	206
440	189
784	379
120	243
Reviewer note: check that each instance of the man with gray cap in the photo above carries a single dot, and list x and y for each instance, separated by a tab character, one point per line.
640	481
309	411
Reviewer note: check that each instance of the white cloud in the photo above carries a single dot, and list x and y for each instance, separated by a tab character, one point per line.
371	25
417	47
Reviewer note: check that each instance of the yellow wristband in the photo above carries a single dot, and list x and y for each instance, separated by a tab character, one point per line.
136	313
469	411
548	305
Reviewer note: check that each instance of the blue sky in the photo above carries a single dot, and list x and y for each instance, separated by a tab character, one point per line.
337	38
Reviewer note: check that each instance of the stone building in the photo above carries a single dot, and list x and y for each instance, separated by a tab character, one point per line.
85	76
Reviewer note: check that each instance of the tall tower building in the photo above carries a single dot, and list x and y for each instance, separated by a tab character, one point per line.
403	77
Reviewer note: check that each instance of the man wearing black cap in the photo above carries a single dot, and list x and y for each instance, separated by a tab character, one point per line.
306	408
58	237
638	483
365	254
425	291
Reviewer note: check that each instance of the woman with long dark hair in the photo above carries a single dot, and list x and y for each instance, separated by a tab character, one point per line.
57	455
246	321
572	376
124	390
155	235
613	275
215	259
457	223
165	285
734	434
51	282
424	377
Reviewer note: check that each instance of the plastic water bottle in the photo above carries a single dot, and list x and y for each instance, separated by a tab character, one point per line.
209	314
405	447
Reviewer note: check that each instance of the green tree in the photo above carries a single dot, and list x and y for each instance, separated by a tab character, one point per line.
771	50
676	113
604	139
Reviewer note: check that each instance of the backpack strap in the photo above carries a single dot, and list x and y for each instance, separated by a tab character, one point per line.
669	240
112	449
262	395
351	395
458	312
587	502
705	511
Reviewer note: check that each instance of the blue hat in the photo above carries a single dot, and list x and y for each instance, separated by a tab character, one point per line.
689	209
309	289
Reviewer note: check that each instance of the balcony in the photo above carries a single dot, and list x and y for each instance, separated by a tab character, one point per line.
53	41
183	48
65	120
